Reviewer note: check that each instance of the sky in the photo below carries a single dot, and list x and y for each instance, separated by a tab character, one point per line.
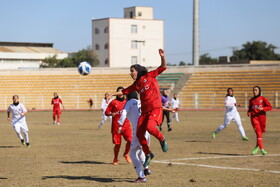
224	24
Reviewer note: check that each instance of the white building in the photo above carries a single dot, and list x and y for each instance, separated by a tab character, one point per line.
134	39
21	55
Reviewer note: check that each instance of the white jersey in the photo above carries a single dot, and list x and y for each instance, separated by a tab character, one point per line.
104	104
230	104
175	103
16	111
132	112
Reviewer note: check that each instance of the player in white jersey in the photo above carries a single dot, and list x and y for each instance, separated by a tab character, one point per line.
132	112
19	123
231	114
175	105
105	102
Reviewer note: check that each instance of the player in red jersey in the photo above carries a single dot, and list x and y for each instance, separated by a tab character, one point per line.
114	109
258	105
146	85
56	101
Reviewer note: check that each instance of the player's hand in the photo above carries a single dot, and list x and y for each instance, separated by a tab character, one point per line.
161	52
119	130
260	108
9	119
113	114
21	114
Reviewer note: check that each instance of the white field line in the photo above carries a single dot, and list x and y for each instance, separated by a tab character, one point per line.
217	167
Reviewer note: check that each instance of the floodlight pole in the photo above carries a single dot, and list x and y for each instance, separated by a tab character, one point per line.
196	32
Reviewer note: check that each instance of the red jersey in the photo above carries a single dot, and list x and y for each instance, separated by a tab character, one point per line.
56	103
147	87
259	102
116	106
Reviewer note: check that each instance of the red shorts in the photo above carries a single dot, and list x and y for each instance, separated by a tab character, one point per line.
126	133
155	115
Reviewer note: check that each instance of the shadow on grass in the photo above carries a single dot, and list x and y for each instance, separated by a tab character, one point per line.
3	178
90	178
82	162
9	146
225	154
190	141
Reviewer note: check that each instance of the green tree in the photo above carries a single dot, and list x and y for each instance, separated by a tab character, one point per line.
256	50
181	63
73	60
207	59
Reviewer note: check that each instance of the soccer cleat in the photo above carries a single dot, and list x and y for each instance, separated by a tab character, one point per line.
22	142
149	157
147	172
255	150
127	158
140	180
244	138
115	162
27	145
169	129
214	135
58	123
163	145
263	152
53	123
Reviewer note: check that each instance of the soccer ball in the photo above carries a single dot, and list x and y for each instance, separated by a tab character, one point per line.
84	68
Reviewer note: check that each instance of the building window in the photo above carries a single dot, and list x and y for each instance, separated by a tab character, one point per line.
106	30
134	60
97	47
106	61
97	31
133	28
131	14
133	44
106	46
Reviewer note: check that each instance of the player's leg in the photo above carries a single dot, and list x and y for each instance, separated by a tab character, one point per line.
24	129
17	130
237	120
58	117
54	115
104	117
167	114
257	128
227	121
176	116
117	142
127	134
138	164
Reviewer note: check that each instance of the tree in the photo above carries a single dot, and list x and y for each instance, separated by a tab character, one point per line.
182	63
207	59
257	50
72	61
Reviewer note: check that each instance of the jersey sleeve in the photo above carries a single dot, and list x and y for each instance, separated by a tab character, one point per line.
228	103
131	88
266	106
23	108
9	109
124	113
52	102
109	109
250	106
156	72
60	101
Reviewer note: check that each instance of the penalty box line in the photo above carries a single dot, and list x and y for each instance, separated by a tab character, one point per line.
171	161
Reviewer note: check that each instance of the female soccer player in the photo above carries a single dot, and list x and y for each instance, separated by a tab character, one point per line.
19	123
105	102
175	105
231	114
114	109
166	113
258	105
132	112
56	101
146	85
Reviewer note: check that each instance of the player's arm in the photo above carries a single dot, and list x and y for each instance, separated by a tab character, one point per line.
8	115
24	111
249	109
108	111
266	106
163	61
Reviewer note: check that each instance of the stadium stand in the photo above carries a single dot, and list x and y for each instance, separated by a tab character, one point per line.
208	89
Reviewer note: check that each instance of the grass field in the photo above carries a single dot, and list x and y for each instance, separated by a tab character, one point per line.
77	153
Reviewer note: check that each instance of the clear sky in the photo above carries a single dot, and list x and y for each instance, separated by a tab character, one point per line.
67	23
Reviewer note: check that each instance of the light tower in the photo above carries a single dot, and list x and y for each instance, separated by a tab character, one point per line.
196	32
